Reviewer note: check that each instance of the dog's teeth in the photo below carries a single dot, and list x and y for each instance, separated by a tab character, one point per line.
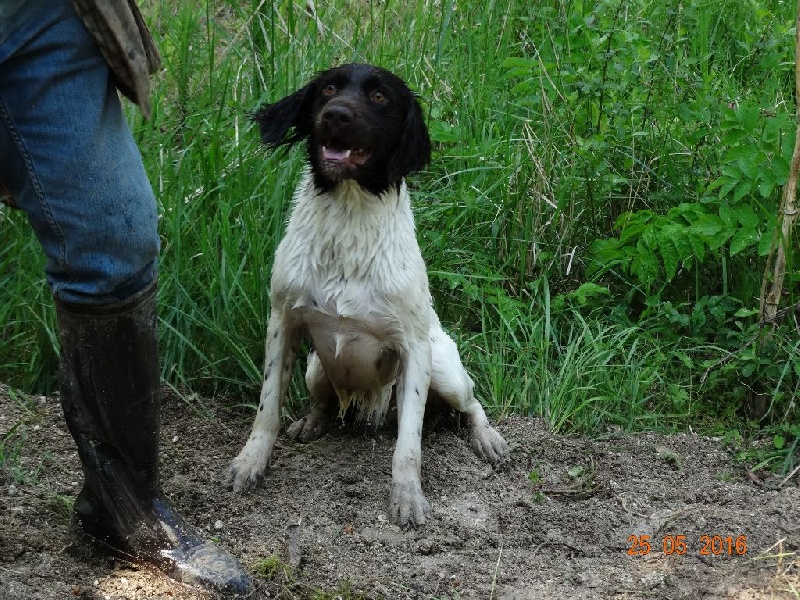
347	154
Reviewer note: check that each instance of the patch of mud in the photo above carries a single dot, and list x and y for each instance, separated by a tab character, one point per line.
554	522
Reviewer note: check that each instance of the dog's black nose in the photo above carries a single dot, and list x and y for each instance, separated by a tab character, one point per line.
337	115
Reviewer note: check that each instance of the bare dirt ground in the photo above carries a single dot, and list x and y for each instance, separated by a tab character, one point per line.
318	527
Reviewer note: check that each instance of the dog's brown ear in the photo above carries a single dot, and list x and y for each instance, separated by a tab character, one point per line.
294	111
413	151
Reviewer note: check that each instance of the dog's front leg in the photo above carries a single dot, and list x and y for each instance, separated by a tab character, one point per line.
407	504
248	468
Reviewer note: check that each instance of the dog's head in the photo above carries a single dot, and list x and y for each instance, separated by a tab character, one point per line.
361	122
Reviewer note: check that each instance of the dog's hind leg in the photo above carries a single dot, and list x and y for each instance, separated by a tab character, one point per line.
450	380
324	404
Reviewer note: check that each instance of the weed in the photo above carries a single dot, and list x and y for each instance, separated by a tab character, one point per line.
727	477
11	445
344	591
669	456
537	497
272	568
61	506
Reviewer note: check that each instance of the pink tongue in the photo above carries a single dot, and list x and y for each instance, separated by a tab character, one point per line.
337	155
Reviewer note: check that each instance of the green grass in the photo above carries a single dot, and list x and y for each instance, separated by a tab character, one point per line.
555	126
14	438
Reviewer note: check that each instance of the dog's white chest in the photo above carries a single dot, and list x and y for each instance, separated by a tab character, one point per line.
349	272
357	354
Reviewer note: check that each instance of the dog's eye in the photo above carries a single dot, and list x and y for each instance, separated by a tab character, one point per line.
378	97
329	90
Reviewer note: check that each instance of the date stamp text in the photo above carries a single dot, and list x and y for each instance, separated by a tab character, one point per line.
705	545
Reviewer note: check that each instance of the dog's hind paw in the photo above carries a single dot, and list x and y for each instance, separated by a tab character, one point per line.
488	444
308	428
407	505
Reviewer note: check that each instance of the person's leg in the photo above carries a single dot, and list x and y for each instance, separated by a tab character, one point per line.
70	162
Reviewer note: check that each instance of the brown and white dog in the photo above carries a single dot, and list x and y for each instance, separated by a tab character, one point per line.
349	274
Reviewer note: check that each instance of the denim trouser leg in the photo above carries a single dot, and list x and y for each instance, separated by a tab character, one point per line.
68	157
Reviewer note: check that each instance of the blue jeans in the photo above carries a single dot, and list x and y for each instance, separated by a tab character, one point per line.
68	157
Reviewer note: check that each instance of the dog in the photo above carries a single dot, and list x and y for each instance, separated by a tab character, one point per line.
350	276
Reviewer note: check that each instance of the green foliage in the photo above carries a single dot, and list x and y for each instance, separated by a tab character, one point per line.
28	338
272	568
10	448
759	146
596	217
61	507
653	124
778	448
14	439
653	247
677	142
275	570
537	495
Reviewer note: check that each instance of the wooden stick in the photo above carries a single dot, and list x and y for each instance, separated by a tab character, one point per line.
787	213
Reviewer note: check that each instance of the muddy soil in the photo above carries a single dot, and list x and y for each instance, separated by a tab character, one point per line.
566	517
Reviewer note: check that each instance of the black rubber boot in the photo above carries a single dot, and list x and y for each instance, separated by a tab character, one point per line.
110	396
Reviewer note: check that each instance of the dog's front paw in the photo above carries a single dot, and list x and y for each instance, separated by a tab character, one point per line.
488	444
247	470
309	428
407	505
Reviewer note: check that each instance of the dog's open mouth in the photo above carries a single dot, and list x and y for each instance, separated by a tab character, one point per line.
348	157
